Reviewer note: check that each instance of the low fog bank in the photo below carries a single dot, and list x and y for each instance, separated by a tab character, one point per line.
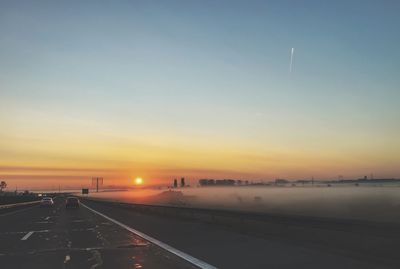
364	203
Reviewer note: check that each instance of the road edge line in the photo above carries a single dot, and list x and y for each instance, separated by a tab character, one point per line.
181	254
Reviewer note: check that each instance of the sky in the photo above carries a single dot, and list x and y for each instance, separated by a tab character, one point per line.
200	89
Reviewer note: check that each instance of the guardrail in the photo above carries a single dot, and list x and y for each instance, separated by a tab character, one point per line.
8	206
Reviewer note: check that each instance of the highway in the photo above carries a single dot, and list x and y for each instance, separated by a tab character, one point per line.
102	235
54	237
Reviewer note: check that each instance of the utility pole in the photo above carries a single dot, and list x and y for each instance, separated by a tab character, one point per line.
97	181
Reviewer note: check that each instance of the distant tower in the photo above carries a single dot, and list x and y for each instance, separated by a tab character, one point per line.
182	182
175	183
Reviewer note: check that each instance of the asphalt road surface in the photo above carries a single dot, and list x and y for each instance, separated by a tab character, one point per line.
289	243
59	238
54	237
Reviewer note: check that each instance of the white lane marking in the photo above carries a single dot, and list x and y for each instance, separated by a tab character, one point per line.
24	232
67	258
27	235
47	218
181	254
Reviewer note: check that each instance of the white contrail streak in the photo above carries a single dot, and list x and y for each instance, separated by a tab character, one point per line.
291	60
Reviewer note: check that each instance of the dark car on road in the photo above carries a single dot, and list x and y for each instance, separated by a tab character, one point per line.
72	202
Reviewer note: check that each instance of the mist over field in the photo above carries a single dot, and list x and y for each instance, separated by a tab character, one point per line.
374	203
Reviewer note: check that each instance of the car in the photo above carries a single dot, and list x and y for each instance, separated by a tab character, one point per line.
46	202
72	202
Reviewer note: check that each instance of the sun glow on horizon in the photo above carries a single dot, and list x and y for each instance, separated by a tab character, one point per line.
138	181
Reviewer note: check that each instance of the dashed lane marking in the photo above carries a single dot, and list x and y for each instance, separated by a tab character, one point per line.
67	259
24	232
25	237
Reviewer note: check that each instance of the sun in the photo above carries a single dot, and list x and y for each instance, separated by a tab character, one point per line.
138	181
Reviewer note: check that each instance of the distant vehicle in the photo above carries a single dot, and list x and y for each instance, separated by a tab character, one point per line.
72	202
46	202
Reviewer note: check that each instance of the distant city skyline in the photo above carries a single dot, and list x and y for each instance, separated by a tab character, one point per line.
198	89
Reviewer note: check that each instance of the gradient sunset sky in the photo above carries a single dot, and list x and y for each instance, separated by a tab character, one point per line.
164	89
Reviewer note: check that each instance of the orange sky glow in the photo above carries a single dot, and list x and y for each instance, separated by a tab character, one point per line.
142	90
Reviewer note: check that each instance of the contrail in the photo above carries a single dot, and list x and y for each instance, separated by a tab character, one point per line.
291	60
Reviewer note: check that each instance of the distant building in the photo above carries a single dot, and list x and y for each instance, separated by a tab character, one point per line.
206	182
280	181
218	182
225	182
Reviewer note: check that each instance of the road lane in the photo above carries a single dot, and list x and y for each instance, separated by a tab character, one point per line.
63	238
181	254
284	245
59	238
